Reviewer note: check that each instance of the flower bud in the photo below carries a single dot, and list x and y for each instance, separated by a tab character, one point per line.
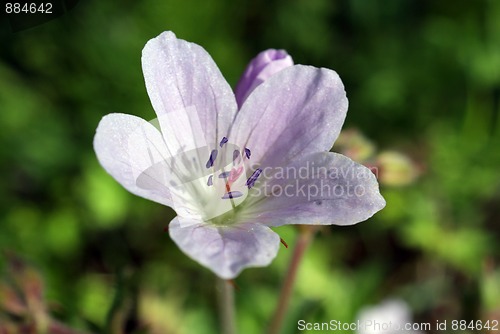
259	69
396	169
355	145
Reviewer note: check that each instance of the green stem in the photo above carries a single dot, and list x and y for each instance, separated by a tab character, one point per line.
305	237
226	305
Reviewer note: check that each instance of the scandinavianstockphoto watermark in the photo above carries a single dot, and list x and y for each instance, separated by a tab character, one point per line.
312	182
222	175
311	191
208	179
310	171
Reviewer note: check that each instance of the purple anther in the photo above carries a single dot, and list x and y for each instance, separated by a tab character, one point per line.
247	153
223	141
253	178
224	175
236	157
232	194
210	180
213	156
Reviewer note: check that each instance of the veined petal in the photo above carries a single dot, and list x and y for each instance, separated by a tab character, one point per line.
323	188
226	250
193	102
127	146
298	111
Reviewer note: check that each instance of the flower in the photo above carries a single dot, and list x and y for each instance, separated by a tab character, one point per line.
391	316
231	174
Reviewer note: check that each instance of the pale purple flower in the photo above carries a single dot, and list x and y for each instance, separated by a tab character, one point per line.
391	316
228	172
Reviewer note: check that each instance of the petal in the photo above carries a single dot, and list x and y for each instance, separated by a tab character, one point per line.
324	188
193	102
226	250
296	112
261	68
127	146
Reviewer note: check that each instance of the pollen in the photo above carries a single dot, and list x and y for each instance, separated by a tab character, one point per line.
223	141
211	159
253	178
248	153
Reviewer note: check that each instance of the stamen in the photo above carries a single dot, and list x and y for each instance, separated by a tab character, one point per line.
213	156
223	141
210	180
236	157
247	153
224	175
284	242
232	194
253	178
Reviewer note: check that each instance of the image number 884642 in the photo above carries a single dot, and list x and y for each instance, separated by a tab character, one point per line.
28	8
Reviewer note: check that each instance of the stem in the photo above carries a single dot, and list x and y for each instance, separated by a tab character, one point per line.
305	238
226	305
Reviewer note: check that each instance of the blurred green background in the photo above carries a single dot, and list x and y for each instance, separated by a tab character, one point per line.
422	78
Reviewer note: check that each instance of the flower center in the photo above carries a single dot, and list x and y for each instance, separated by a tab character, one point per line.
230	173
205	184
